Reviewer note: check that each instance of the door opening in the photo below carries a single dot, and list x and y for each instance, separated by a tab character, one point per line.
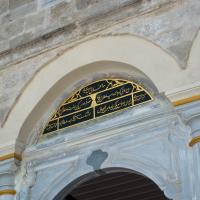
115	186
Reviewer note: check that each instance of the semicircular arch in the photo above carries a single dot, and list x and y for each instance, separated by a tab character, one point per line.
130	50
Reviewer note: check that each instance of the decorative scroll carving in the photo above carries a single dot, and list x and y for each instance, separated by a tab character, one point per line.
95	100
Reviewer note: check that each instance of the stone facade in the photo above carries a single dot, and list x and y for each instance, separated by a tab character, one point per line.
45	45
29	28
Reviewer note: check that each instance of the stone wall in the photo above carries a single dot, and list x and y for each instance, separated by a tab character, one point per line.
172	24
34	33
25	20
31	31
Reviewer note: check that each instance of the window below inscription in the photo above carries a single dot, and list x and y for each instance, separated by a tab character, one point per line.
95	100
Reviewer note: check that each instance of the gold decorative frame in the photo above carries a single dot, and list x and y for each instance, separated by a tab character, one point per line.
194	141
10	156
8	192
95	100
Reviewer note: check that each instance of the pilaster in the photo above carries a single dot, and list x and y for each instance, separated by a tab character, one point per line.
8	168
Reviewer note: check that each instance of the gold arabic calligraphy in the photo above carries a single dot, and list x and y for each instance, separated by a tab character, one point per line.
119	104
117	93
74	118
69	108
95	100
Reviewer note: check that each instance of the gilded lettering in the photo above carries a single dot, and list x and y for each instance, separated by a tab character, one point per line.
75	106
92	89
76	118
97	99
113	106
114	93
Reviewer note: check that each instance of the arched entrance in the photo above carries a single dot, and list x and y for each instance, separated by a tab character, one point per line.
119	185
148	138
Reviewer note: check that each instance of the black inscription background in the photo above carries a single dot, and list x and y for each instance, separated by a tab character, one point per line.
75	106
140	97
94	88
113	106
52	126
76	118
114	93
111	96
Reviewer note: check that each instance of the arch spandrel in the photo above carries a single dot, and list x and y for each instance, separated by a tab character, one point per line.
83	76
133	51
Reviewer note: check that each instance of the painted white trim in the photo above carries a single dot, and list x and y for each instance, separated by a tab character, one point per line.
184	92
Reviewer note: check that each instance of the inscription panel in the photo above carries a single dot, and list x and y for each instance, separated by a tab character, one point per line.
140	97
113	106
96	100
75	106
114	93
76	118
51	126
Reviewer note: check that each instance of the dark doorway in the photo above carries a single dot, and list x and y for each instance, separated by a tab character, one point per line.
115	186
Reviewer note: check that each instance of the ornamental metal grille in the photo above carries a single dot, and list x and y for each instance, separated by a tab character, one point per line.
95	100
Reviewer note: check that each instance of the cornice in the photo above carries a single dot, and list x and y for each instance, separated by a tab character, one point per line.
184	95
186	100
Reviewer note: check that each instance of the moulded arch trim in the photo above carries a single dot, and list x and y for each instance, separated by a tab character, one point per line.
91	100
69	84
131	50
62	183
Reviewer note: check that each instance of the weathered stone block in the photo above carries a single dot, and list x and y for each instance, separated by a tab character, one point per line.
15	27
81	4
3	6
4	45
22	39
44	3
59	10
35	20
20	12
17	3
65	20
3	34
